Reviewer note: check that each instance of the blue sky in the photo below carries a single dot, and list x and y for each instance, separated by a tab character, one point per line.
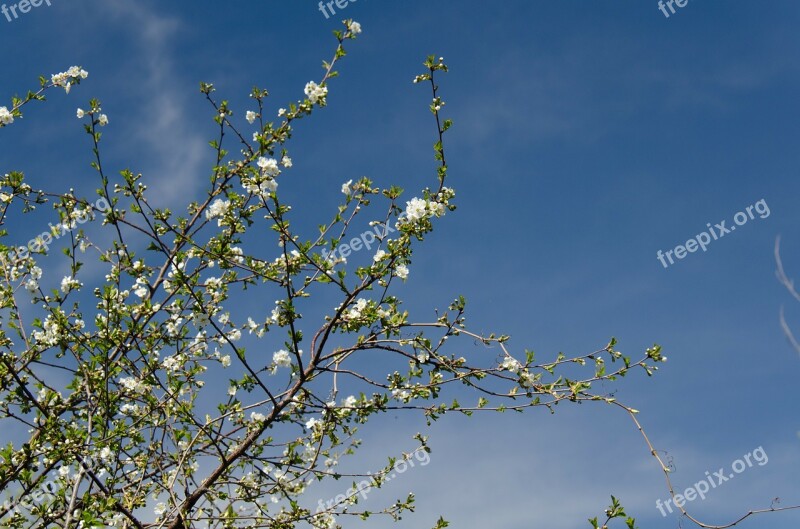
588	136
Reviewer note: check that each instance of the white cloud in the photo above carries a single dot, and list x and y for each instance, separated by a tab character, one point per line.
176	152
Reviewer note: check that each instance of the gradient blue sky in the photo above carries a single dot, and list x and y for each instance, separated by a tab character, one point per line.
588	135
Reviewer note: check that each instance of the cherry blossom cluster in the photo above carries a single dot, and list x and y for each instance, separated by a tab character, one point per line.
66	79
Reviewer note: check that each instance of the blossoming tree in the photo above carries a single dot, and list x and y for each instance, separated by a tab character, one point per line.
143	399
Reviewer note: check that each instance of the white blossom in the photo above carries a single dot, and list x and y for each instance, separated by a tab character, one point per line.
281	358
68	283
134	385
526	380
269	166
238	254
6	118
65	79
510	364
173	363
274	316
253	327
358	308
140	287
325	520
262	189
315	93
129	409
235	335
416	209
354	27
401	271
400	394
31	285
50	334
218	208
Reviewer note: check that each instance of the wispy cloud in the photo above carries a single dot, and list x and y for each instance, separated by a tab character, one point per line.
176	153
